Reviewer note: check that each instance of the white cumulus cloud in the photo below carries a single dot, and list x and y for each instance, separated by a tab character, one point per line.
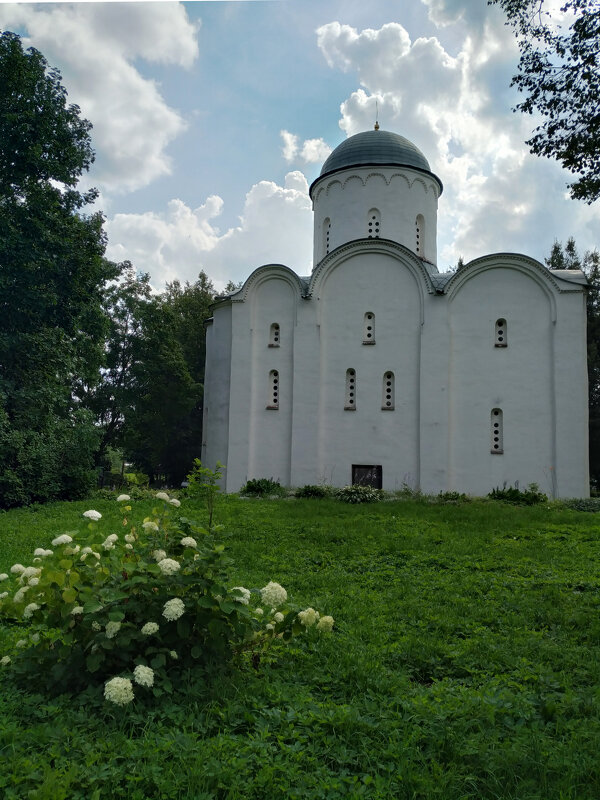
457	109
311	151
95	46
275	227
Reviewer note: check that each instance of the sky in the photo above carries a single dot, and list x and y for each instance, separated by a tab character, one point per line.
211	119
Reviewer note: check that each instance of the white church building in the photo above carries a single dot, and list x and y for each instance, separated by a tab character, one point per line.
378	369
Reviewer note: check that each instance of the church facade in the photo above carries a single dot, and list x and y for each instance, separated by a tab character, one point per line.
378	369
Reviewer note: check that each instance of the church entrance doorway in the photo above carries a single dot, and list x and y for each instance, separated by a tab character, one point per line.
367	475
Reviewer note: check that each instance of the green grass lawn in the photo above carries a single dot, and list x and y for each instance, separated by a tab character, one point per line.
464	664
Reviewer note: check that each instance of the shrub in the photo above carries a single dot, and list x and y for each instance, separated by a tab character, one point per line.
202	483
313	491
582	503
521	497
358	494
259	487
131	612
453	498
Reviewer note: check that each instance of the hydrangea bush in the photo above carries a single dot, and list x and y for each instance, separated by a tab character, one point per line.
129	611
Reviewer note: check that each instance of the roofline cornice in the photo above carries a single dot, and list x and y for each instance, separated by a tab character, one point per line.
371	165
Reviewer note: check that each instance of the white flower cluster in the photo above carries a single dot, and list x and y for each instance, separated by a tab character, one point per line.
41	553
244	595
93	515
188	541
130	538
173	609
118	691
158	555
149	526
20	594
162	496
28	610
96	626
17	569
308	617
150	628
325	624
21	643
5	660
109	542
64	538
144	676
278	617
3	577
112	628
273	594
122	498
168	566
77	610
174	502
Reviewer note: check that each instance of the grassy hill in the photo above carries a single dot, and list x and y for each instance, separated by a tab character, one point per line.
463	664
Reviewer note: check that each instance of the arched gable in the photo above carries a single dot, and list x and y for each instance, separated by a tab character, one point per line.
265	273
406	260
523	264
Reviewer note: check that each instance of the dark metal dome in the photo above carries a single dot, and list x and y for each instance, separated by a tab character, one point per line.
376	147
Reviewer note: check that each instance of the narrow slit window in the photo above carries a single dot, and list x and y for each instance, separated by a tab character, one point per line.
350	404
387	400
326	235
369	328
497	433
373	224
420	234
274	335
273	403
500	338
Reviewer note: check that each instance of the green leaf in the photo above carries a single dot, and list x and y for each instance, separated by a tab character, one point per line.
116	616
65	563
69	595
158	661
196	651
94	661
91	607
53	576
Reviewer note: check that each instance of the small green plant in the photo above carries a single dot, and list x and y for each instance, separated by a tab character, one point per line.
358	494
260	487
203	484
138	609
453	498
313	491
520	497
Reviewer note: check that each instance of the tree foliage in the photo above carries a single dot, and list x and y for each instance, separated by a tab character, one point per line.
559	75
52	272
149	399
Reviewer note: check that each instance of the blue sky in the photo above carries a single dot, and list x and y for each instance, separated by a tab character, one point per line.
212	118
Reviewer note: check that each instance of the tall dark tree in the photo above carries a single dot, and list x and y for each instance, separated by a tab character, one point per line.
148	402
52	272
568	257
559	74
127	303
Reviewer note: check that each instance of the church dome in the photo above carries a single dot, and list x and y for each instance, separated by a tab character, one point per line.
376	148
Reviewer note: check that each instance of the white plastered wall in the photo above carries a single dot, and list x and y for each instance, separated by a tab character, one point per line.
400	194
